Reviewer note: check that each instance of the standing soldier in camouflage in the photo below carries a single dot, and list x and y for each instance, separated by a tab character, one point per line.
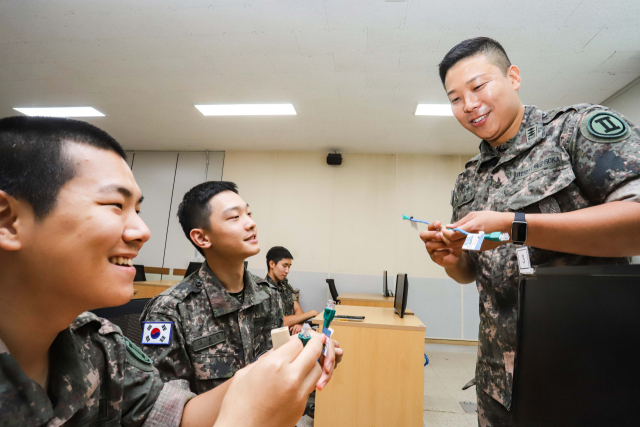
564	182
279	261
222	315
69	230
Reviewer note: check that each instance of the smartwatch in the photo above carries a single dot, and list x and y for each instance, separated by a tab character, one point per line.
519	229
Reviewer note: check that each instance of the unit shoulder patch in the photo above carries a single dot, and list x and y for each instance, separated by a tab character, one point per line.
137	357
604	127
156	333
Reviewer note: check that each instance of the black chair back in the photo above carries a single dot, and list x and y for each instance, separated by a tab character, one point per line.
193	267
127	317
332	289
140	276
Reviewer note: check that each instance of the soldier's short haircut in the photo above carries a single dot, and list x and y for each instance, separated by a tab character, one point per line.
472	47
194	210
277	254
34	164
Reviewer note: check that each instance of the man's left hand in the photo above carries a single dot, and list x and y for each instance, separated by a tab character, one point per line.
475	222
295	329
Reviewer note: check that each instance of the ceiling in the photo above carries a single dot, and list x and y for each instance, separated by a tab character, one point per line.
353	69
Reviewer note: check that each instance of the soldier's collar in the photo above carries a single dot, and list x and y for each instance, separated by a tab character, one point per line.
530	133
221	302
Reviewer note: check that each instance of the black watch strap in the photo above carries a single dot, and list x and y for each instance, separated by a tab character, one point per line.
519	217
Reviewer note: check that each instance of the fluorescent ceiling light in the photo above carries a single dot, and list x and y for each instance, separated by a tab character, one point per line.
434	110
61	112
247	110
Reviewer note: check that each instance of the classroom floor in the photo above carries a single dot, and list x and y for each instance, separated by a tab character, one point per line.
450	368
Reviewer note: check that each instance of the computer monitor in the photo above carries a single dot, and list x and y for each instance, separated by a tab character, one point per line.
402	289
385	286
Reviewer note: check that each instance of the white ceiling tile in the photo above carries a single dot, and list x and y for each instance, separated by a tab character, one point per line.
297	63
352	14
345	41
243	64
260	43
354	70
216	20
394	80
300	15
621	63
396	40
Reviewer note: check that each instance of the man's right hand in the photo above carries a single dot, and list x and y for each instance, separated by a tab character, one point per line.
458	264
274	392
437	247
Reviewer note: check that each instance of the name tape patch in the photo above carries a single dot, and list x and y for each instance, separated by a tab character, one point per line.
546	163
156	333
209	341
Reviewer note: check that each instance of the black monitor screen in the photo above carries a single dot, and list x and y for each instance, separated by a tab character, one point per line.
402	289
385	287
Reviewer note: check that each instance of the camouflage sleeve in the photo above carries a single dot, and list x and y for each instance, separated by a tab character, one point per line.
172	361
606	166
168	408
628	192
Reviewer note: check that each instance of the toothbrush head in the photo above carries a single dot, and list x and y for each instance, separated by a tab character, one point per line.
406	217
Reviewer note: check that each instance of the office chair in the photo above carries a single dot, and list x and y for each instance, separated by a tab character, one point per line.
193	267
140	276
127	317
332	289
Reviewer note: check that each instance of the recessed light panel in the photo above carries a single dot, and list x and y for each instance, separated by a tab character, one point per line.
247	110
61	112
434	110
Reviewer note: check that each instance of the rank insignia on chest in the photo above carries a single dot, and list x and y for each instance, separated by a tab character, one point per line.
156	333
532	133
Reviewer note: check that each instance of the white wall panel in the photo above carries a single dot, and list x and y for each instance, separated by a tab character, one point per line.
189	172
154	173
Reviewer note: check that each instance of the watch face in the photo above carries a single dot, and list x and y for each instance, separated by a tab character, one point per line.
519	231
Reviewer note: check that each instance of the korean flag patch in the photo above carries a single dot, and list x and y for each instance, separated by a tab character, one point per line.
156	333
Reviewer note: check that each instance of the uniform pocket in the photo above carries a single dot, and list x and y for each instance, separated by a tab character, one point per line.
537	186
214	367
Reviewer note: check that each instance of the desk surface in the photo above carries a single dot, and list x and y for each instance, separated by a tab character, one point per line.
374	317
165	283
364	297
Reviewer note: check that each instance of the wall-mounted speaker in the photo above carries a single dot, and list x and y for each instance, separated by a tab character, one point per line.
334	159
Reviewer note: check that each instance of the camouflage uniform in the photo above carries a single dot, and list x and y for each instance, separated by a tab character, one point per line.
552	165
213	334
286	295
96	378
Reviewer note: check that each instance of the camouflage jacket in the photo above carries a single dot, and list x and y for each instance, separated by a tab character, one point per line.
96	378
286	295
213	335
552	165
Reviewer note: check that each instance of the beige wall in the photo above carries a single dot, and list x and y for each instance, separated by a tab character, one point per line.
345	219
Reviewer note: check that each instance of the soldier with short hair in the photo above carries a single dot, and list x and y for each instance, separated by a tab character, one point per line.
564	182
69	231
222	315
279	261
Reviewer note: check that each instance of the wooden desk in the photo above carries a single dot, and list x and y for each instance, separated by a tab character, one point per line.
366	300
380	382
150	289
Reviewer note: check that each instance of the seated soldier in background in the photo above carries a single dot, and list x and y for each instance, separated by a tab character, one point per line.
222	316
69	231
279	262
